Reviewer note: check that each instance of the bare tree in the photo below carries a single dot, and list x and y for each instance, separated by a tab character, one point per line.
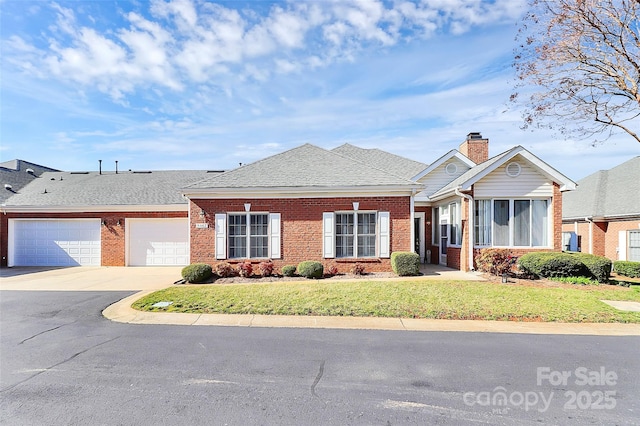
583	58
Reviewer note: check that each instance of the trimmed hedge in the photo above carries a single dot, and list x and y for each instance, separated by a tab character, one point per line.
197	272
556	264
405	263
288	270
627	268
310	269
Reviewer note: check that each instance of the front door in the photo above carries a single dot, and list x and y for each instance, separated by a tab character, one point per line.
418	236
444	238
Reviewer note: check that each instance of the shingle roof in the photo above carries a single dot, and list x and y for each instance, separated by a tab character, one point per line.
14	173
303	167
606	193
391	163
94	189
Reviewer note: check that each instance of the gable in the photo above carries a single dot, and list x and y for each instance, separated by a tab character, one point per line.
515	178
442	175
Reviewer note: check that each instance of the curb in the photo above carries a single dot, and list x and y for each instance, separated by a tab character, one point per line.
123	312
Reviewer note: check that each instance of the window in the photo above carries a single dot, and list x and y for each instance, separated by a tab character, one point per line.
352	227
247	235
519	223
456	226
634	246
436	226
356	235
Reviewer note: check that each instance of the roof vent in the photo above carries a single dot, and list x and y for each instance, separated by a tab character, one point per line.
142	171
8	187
30	171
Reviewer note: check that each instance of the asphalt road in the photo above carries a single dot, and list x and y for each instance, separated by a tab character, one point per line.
62	363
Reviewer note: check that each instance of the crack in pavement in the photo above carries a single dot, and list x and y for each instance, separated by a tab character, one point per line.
318	377
46	331
8	388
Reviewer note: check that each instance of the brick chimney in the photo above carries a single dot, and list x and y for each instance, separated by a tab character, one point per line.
475	147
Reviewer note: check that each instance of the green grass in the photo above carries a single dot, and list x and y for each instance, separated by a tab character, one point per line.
405	299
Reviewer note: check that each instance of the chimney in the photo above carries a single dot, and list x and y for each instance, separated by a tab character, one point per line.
100	166
475	147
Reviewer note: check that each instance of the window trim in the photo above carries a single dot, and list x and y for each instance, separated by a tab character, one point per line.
355	234
382	234
273	235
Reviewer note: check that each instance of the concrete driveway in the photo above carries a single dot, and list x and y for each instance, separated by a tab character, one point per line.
83	278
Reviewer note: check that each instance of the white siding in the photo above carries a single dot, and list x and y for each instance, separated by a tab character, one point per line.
530	183
438	178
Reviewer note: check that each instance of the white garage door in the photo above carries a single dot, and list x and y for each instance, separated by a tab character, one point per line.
52	242
158	242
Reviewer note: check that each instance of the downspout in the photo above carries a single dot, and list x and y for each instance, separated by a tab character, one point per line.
413	215
590	222
471	224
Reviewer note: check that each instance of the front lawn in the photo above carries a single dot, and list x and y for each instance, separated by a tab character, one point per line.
405	299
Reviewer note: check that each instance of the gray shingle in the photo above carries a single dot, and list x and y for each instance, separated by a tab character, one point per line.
606	193
390	163
94	189
14	173
304	166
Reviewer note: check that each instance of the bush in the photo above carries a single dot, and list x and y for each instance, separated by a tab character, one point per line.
552	264
405	263
627	268
197	272
266	268
332	270
224	270
288	270
495	261
357	269
245	269
599	267
310	269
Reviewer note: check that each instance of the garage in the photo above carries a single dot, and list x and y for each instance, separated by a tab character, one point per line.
54	242
158	242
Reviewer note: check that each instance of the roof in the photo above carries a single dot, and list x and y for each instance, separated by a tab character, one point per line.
473	175
18	173
75	189
390	163
304	167
606	193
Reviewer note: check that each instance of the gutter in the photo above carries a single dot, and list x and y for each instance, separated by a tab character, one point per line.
471	224
590	222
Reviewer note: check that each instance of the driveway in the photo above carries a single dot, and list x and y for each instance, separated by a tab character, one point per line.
83	278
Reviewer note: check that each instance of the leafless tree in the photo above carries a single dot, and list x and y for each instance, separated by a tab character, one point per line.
582	57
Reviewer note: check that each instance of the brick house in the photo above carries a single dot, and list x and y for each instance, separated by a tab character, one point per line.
352	205
602	216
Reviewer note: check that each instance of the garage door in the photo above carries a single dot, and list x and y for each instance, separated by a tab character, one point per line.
51	242
158	242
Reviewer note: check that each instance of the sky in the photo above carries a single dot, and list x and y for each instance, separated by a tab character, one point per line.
184	84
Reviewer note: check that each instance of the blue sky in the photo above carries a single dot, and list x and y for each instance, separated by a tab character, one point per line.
206	85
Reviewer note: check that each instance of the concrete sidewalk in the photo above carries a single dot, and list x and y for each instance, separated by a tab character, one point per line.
122	312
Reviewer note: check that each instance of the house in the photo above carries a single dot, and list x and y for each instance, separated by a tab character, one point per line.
15	174
342	206
352	205
98	218
602	216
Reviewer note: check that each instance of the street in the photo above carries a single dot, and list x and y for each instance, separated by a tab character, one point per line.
63	363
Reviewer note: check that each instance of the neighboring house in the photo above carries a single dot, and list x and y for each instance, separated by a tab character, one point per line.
353	205
97	218
602	216
342	206
15	174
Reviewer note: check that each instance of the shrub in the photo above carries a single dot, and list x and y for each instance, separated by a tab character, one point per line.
405	263
245	269
332	270
197	272
224	270
357	269
310	269
552	264
599	267
495	261
266	268
627	268
288	270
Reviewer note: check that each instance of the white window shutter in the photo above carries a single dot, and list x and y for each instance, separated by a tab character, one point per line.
384	234
221	236
622	245
274	235
328	235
